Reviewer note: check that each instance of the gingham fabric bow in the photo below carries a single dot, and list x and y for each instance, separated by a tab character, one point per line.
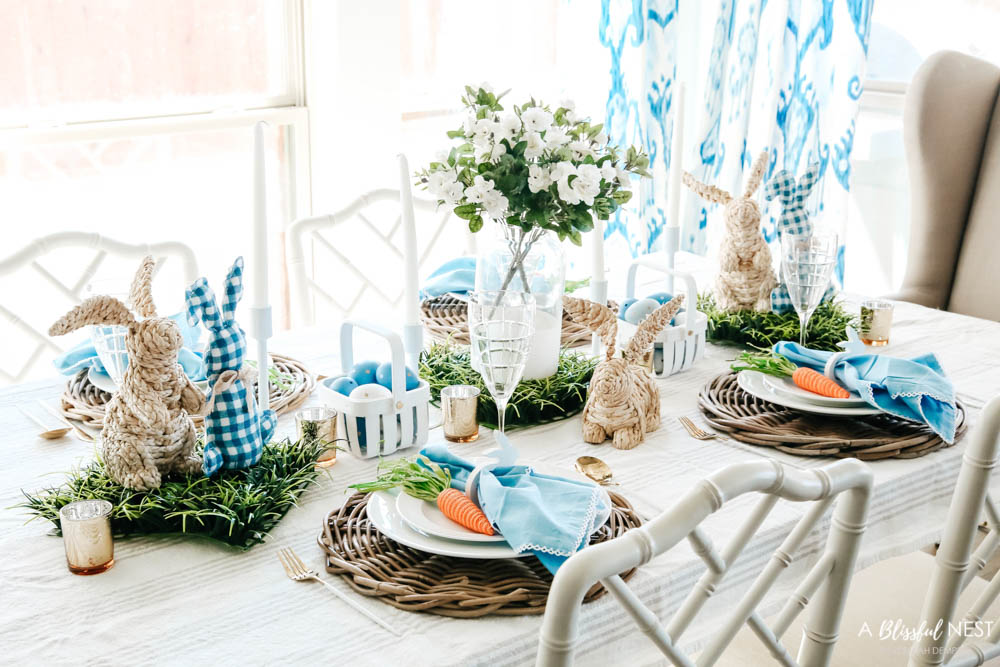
235	432
794	219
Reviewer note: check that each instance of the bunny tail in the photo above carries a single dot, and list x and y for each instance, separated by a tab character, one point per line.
595	317
651	327
141	295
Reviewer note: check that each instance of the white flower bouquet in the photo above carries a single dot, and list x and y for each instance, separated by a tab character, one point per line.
532	169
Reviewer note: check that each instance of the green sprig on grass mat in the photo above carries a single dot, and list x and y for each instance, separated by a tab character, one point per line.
827	327
534	401
237	507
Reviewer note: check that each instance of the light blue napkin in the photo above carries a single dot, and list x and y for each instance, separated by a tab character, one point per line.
550	516
914	389
84	355
457	275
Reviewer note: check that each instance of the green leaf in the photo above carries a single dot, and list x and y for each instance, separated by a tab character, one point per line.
455	134
475	223
576	238
466	212
622	196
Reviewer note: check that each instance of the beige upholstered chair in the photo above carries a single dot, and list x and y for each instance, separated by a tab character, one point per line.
951	126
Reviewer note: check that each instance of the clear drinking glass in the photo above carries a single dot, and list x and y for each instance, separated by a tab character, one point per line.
807	263
500	329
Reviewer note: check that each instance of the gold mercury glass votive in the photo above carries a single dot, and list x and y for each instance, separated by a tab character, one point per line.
318	424
876	320
458	407
86	529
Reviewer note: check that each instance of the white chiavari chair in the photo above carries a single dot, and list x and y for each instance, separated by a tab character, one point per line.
67	291
823	590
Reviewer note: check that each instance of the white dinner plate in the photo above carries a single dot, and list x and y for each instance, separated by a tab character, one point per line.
384	516
785	386
426	518
752	382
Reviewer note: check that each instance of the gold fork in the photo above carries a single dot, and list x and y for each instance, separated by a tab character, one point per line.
299	571
697	433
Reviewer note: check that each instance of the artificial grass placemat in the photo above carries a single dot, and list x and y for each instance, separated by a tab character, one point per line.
827	326
237	507
534	402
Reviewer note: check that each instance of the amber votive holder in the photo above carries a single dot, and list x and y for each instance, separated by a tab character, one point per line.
318	424
876	321
86	529
459	404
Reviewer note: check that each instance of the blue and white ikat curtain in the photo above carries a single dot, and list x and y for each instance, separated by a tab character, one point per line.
782	75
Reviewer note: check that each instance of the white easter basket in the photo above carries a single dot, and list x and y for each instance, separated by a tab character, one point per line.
677	347
379	426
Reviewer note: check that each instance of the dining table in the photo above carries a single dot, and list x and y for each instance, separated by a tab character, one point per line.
176	599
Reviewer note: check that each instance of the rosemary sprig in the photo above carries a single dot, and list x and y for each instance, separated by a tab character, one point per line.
420	478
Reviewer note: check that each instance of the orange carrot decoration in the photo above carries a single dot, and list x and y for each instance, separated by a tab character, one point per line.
810	380
456	506
426	480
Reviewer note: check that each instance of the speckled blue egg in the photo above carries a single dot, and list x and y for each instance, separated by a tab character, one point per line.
625	305
661	297
344	385
640	310
364	372
383	375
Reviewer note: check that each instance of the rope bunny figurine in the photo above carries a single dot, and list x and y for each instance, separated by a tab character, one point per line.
147	431
235	431
623	402
794	219
746	277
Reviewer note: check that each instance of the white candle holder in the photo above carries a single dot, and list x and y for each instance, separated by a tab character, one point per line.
86	529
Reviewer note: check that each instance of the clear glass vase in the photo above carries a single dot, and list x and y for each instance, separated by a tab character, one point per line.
530	262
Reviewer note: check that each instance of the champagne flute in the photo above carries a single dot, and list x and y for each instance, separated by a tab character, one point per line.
501	324
807	263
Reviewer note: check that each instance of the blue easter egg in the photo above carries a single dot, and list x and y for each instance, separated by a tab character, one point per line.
661	297
625	305
364	372
344	385
673	322
640	310
383	375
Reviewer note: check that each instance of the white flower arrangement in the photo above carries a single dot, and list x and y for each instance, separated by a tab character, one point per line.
532	168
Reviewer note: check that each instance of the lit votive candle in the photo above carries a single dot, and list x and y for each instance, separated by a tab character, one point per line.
86	529
318	425
458	408
876	321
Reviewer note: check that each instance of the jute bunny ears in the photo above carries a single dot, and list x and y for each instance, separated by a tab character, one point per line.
601	320
720	196
109	310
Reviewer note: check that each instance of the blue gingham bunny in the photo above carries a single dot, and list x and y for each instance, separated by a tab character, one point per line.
794	219
235	432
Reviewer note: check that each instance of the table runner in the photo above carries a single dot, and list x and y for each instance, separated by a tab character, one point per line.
174	600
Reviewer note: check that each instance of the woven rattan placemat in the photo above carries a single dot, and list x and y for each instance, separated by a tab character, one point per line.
85	402
743	417
374	565
446	320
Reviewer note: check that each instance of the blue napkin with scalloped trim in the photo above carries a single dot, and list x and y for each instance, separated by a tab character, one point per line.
915	389
550	516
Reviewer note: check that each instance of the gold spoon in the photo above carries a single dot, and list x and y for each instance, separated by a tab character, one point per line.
596	469
47	433
83	435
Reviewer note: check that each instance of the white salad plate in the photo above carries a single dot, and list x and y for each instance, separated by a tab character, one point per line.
425	517
753	383
386	518
785	386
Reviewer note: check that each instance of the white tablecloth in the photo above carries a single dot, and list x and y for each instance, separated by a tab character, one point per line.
175	600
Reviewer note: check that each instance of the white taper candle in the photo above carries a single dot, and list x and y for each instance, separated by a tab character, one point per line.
259	266
676	158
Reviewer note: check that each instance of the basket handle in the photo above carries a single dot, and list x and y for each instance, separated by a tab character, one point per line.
395	345
659	264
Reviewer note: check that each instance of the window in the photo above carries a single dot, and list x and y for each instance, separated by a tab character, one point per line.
134	119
